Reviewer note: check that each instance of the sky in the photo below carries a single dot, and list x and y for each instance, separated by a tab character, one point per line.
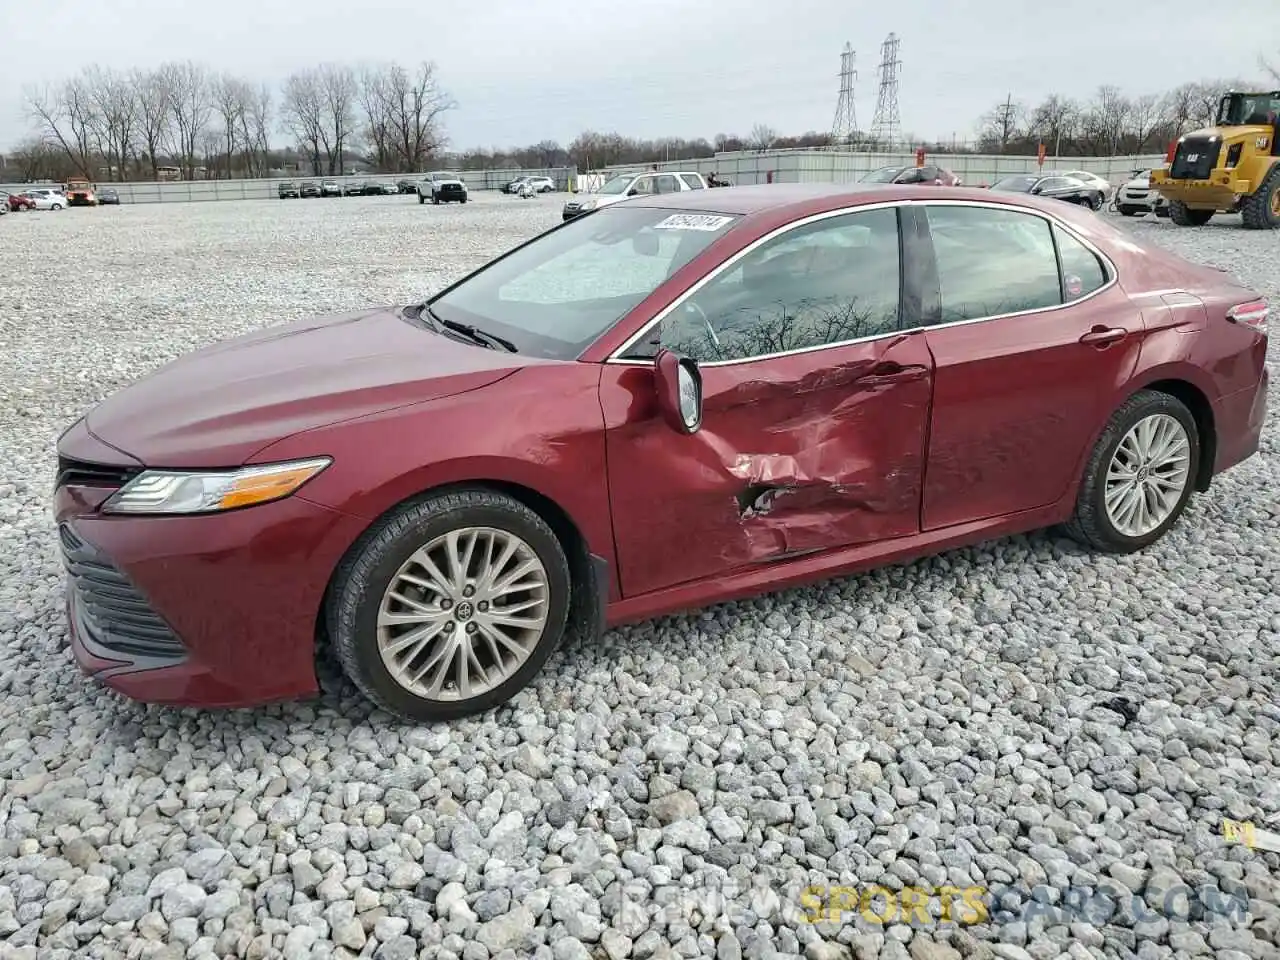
523	71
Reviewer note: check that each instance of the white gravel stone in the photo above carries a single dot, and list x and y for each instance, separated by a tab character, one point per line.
1013	713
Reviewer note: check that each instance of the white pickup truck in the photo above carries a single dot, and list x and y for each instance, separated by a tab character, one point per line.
631	185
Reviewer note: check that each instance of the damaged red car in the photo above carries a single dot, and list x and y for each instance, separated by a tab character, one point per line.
673	401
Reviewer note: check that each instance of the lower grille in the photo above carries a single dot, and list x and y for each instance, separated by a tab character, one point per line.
1195	159
111	609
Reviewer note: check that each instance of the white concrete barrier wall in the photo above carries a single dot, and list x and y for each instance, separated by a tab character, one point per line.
823	166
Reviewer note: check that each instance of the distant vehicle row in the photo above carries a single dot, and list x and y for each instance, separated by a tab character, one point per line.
332	188
54	198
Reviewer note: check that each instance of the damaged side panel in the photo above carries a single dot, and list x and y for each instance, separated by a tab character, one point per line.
796	454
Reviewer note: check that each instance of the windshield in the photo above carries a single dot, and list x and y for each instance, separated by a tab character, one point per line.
445	175
1019	184
617	185
557	294
883	175
1241	108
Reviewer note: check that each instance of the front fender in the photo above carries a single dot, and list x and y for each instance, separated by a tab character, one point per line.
540	428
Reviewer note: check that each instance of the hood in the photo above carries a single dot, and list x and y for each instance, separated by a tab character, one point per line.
598	199
452	181
218	406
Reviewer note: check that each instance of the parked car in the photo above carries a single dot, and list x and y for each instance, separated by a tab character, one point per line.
636	436
633	185
288	189
542	184
929	173
1067	189
513	186
442	187
330	188
16	202
354	188
1103	185
309	189
47	198
378	188
406	186
109	197
1136	197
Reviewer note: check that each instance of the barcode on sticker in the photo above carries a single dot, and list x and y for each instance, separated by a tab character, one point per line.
691	221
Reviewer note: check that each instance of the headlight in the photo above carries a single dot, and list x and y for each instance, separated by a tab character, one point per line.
200	491
588	205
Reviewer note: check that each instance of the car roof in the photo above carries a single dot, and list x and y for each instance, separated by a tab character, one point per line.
758	198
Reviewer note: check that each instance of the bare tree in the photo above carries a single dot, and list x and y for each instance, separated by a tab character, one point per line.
763	137
1001	124
416	105
338	90
65	116
231	97
1178	109
375	102
302	114
41	159
1144	117
255	130
190	99
1272	69
1106	120
1053	121
151	94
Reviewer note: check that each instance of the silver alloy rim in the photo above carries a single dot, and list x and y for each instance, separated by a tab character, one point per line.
1147	475
463	614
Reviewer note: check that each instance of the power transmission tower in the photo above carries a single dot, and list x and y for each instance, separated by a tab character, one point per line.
886	126
845	126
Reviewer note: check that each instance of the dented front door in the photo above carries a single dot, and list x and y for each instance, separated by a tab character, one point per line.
796	454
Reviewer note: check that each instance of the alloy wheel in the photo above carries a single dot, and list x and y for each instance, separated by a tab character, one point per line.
1147	475
463	614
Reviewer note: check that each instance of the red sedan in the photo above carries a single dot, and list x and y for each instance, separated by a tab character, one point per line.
17	201
673	401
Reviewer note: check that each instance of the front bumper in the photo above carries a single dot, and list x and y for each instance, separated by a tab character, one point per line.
210	611
1219	192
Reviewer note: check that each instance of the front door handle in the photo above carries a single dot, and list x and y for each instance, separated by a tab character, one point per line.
1101	336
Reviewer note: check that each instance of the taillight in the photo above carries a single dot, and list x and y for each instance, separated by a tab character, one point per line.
1173	148
1251	314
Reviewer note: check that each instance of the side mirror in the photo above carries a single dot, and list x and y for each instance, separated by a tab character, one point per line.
1037	189
679	387
633	191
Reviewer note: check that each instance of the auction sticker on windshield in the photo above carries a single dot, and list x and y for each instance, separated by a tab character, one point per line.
692	221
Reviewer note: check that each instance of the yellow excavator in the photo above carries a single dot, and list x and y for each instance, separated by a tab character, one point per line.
1231	167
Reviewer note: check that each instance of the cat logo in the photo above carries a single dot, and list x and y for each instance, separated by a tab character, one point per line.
1261	143
1192	157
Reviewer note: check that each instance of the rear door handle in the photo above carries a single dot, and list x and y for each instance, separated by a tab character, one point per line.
1101	336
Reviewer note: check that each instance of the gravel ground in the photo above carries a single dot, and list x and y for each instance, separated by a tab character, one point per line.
1022	716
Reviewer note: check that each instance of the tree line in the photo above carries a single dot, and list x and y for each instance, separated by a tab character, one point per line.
106	124
112	125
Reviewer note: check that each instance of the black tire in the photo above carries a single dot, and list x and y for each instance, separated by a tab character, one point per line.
1090	525
1095	202
435	200
1184	216
351	613
421	198
1261	209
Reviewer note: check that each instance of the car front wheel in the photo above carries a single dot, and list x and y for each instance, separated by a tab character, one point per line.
450	605
1140	475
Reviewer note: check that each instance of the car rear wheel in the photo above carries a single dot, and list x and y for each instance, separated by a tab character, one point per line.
1140	475
450	605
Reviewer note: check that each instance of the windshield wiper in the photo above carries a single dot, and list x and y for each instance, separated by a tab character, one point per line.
475	334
